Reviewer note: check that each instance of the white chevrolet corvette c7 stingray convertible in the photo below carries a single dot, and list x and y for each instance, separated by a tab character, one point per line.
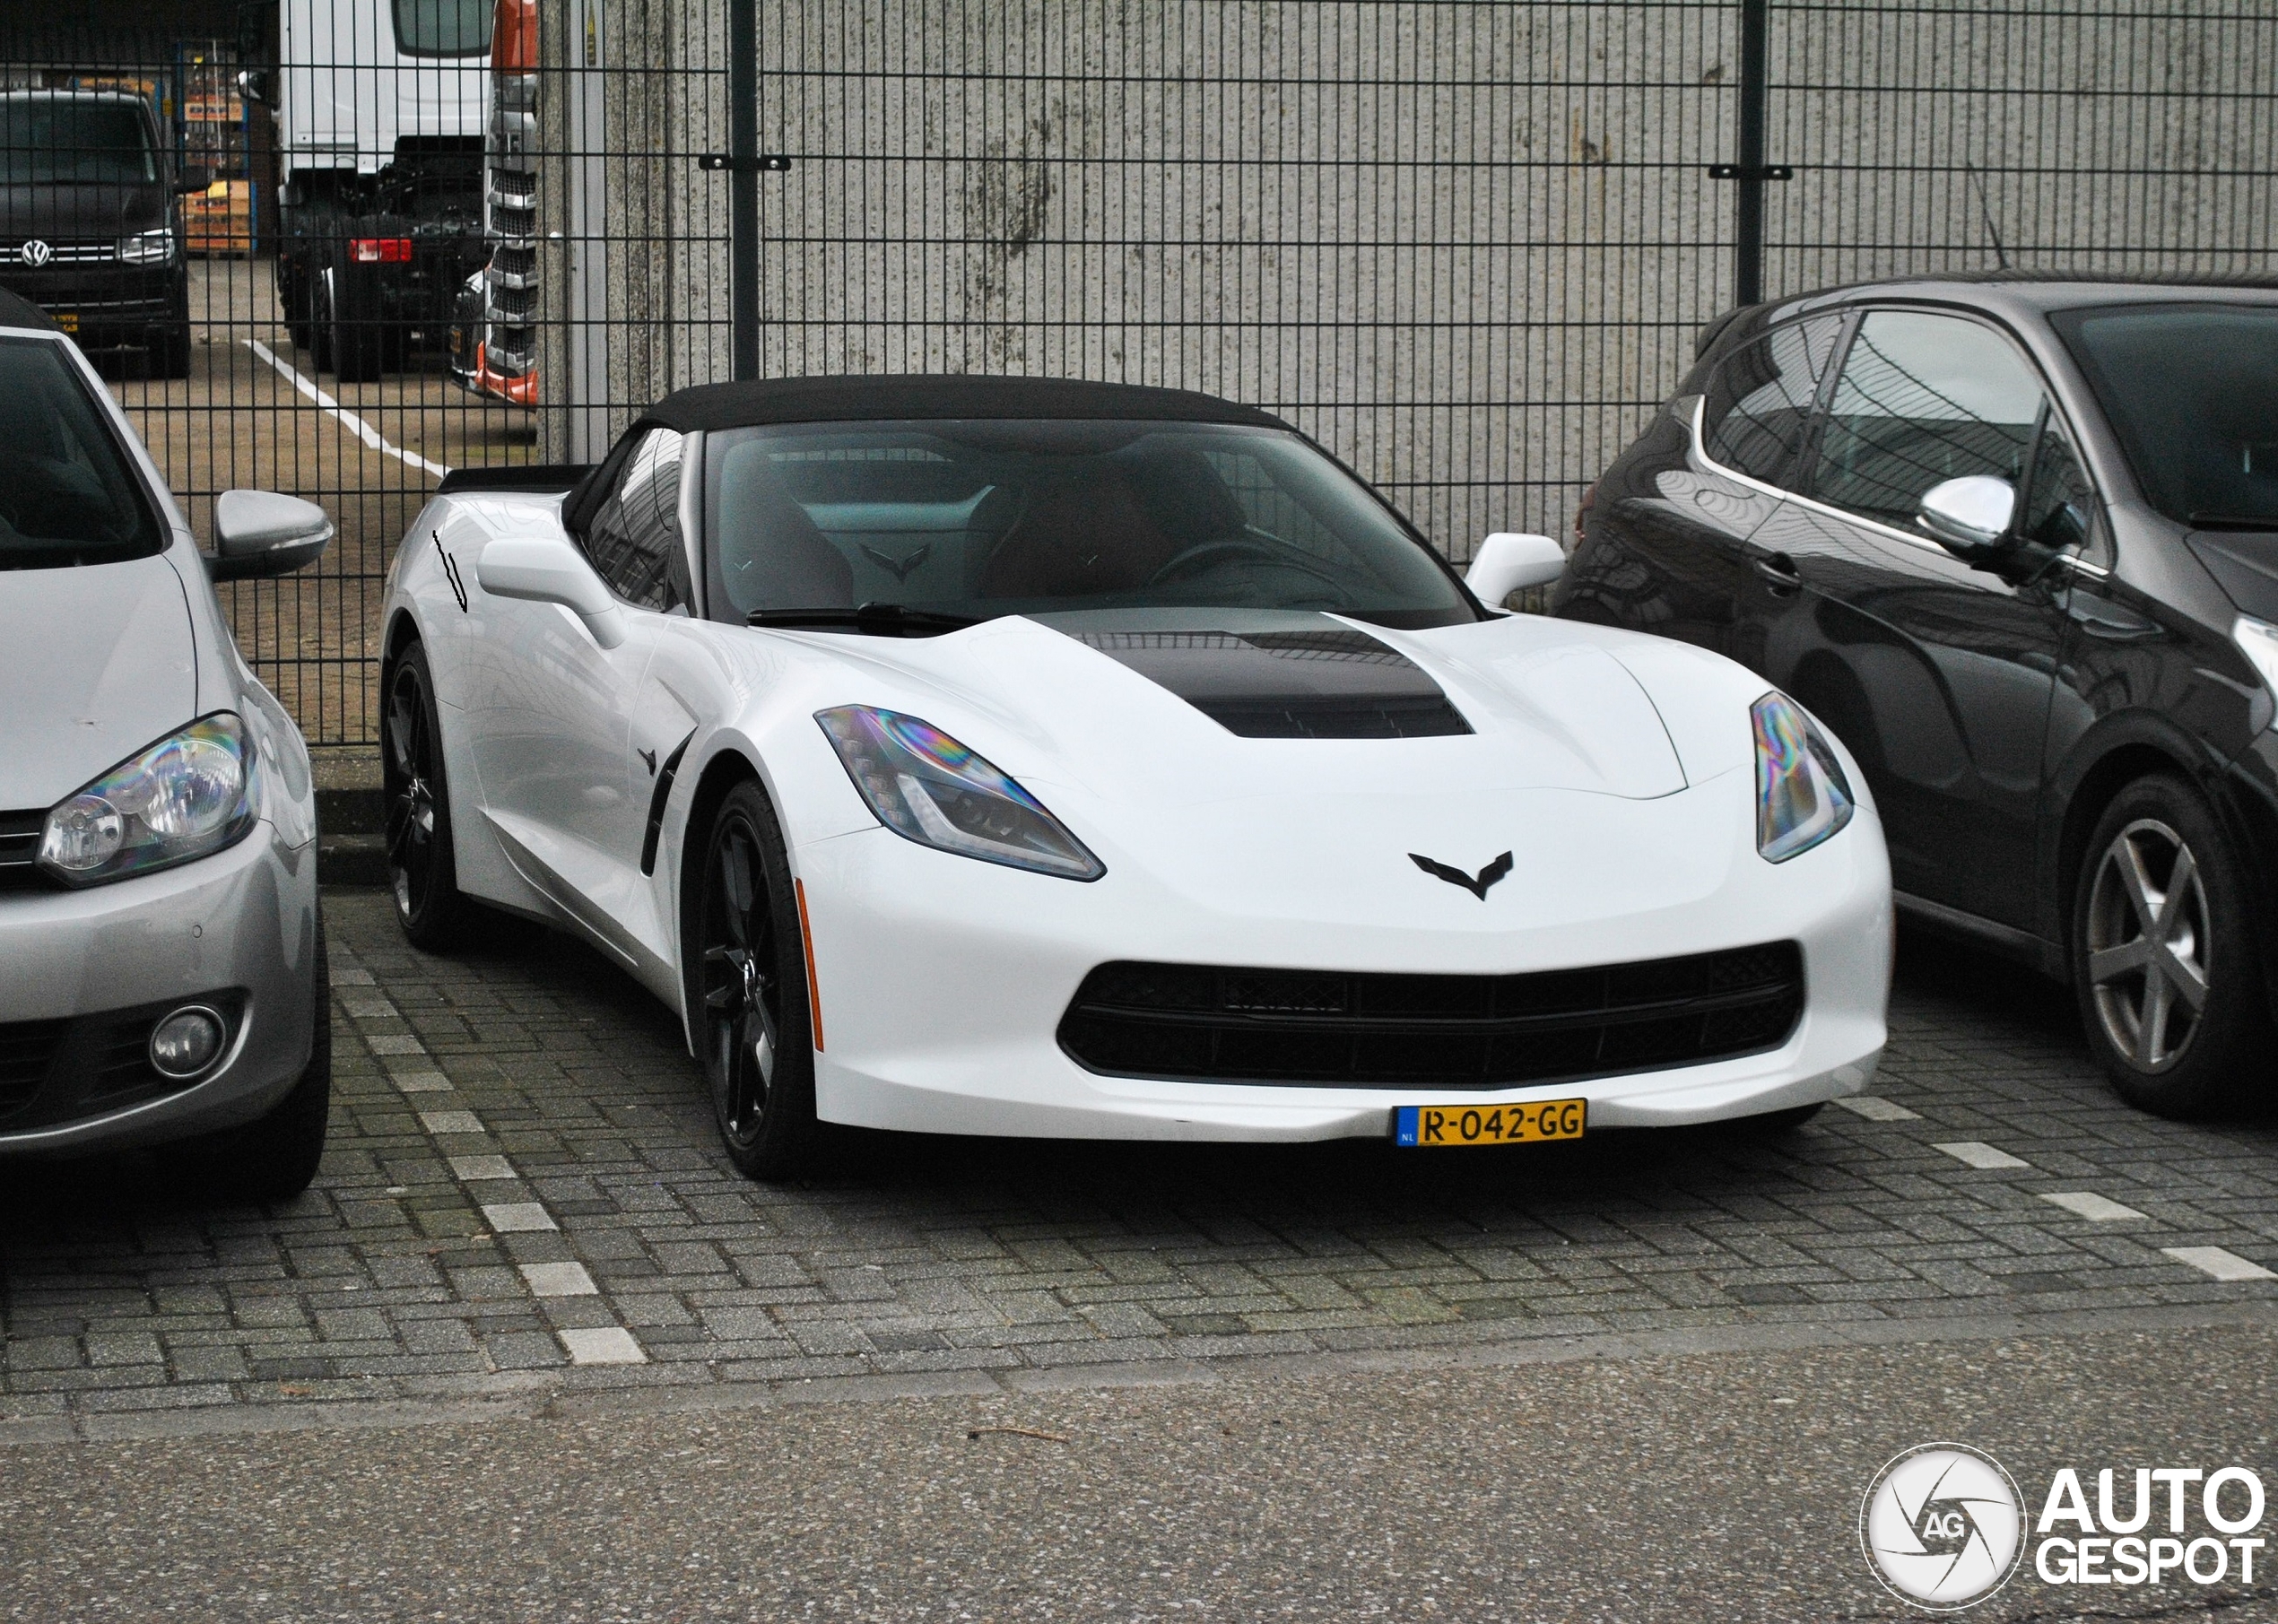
1018	757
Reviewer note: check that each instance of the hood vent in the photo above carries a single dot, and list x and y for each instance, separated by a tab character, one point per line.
1335	682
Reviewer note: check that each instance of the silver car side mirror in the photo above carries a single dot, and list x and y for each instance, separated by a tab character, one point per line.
1511	561
547	569
1969	517
260	532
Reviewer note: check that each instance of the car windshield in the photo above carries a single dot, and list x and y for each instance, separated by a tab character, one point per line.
982	518
67	495
53	140
2192	392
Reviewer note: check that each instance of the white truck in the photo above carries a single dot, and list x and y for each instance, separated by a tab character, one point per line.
383	108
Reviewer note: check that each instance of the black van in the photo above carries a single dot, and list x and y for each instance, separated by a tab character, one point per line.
89	227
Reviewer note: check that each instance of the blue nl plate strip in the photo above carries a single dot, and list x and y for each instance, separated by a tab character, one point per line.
1403	1125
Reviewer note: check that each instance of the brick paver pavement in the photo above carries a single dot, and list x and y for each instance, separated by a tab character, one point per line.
523	1195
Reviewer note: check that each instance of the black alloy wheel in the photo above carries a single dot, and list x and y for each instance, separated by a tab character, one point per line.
2164	962
422	873
749	991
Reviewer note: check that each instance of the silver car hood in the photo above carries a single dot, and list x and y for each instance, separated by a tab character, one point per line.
95	663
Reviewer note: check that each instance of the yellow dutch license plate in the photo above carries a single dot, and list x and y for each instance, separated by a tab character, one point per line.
1441	1126
68	320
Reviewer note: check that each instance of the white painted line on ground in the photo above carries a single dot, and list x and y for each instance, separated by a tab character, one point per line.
603	1345
1876	1108
1978	1154
2222	1265
347	420
597	1345
518	1217
2097	1208
559	1279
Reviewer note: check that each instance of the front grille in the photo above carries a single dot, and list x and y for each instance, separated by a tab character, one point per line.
27	1049
55	1071
62	253
1211	1023
19	844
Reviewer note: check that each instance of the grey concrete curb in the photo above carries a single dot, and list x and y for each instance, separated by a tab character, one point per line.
352	816
553	1404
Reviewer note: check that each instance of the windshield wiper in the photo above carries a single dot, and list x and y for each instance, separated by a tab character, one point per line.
2234	521
878	619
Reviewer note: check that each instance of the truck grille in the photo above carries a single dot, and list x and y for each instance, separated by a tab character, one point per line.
1214	1024
510	281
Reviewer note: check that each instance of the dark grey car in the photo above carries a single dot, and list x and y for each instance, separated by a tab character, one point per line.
161	965
2015	541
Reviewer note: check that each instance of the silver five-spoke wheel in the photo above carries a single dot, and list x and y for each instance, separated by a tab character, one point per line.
2150	942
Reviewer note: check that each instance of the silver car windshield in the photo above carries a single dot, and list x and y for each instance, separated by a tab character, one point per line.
66	494
980	518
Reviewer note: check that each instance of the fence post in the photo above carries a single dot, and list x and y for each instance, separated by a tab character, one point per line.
744	185
1748	220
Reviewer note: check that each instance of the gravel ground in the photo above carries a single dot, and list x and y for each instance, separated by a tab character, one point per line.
1682	1488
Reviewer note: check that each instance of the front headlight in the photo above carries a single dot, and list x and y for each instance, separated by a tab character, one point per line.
928	788
188	795
1802	796
2258	641
147	247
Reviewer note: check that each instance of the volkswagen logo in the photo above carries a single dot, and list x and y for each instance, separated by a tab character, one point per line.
35	253
1942	1526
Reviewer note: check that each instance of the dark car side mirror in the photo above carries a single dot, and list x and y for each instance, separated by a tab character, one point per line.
1969	516
194	177
260	532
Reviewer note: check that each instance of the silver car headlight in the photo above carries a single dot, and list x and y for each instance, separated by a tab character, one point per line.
1802	796
187	796
147	247
928	788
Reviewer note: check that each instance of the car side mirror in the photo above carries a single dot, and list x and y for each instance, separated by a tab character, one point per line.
260	532
194	177
1969	517
547	569
1509	561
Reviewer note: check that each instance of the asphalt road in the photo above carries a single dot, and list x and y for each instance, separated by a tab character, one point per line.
1708	1488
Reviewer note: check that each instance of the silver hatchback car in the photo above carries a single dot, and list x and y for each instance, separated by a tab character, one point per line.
162	960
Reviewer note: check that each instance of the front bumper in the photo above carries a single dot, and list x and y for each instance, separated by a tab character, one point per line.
242	921
940	981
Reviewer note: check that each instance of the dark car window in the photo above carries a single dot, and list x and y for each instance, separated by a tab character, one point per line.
635	539
59	140
443	27
67	495
1760	398
985	518
1922	399
2192	392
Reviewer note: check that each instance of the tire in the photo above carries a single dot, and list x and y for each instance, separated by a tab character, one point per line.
422	867
2165	967
745	966
170	351
274	1156
320	317
357	344
293	296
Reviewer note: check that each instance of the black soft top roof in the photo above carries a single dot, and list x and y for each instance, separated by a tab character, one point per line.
889	396
16	311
